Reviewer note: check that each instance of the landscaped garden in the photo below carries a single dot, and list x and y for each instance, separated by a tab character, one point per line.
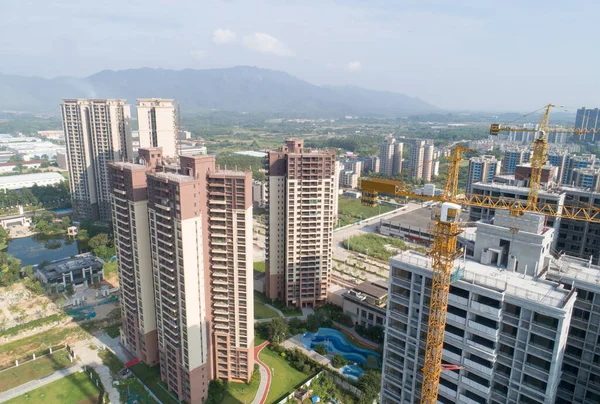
287	311
221	392
285	378
150	376
73	389
34	369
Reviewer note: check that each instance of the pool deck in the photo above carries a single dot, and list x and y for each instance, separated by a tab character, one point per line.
296	342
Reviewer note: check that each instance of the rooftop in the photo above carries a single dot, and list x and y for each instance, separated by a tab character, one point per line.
513	284
514	189
378	289
130	166
173	177
419	218
11	179
578	270
66	266
252	153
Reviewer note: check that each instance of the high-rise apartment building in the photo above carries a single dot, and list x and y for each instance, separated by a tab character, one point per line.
157	124
390	156
588	119
132	245
482	169
199	224
577	162
428	153
514	157
416	160
506	327
559	160
372	164
301	214
97	131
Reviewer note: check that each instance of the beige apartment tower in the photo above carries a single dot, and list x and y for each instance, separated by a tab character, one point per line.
301	213
157	124
97	131
200	230
132	244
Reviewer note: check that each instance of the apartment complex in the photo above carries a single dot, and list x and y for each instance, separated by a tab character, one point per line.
198	249
506	326
514	157
301	214
390	156
416	159
350	172
588	119
157	124
371	164
97	131
482	169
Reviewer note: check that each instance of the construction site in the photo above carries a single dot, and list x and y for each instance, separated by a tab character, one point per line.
504	319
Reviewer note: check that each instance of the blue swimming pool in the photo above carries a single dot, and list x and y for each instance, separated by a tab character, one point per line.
352	372
335	341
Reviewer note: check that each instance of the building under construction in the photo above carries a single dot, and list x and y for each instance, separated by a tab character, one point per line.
517	329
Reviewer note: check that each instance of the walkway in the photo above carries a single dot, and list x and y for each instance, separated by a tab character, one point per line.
265	377
34	384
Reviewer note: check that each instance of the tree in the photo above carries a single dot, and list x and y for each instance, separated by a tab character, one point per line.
104	252
3	238
277	330
10	269
320	349
69	289
98	240
370	384
338	361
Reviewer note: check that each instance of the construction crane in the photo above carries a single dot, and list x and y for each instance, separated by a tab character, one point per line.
540	146
444	252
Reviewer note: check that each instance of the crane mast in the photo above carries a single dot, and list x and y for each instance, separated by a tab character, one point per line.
447	228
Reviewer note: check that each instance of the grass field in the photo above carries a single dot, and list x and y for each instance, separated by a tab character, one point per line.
113	331
33	370
262	311
259	266
73	389
351	210
150	376
110	269
287	311
373	245
241	392
284	377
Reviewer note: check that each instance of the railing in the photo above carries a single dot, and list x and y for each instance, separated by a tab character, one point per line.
485	309
478	366
475	385
484	329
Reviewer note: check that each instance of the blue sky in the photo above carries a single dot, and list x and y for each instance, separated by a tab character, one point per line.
471	54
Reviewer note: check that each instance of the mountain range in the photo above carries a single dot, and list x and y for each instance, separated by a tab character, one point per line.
239	89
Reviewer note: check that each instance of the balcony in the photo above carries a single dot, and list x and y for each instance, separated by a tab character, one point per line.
486	309
464	399
452	336
451	356
458	300
480	387
447	391
486	352
483	329
456	319
478	367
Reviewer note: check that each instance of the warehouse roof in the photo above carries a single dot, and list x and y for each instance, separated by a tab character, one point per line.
12	179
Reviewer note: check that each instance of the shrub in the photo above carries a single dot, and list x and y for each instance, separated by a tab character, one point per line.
338	361
320	349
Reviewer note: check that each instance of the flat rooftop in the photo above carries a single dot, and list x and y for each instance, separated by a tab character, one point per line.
172	177
67	266
130	166
572	269
514	284
494	186
252	153
419	218
376	289
11	179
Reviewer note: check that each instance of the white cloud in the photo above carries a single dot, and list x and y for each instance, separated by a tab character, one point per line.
354	66
198	53
265	43
222	36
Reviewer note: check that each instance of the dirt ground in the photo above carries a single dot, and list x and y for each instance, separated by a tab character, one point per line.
18	305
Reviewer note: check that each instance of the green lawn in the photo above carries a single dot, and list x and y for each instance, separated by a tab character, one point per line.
284	377
287	311
111	361
258	340
110	269
241	392
351	210
150	376
373	245
34	369
262	311
73	389
259	266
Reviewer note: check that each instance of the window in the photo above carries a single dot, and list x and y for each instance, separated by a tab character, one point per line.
538	362
541	341
545	320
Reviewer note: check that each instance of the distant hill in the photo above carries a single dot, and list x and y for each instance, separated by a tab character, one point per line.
240	89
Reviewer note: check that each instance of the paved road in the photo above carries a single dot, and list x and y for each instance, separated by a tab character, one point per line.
369	226
34	384
265	377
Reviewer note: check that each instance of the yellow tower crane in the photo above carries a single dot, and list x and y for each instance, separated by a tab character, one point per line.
443	251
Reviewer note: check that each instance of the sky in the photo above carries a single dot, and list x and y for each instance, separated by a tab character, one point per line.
480	55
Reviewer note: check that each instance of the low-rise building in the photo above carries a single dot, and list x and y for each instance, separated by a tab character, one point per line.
366	302
10	167
76	271
29	180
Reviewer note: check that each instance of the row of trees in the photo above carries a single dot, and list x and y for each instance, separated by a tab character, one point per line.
48	196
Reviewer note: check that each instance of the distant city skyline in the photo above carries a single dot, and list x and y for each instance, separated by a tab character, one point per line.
457	55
